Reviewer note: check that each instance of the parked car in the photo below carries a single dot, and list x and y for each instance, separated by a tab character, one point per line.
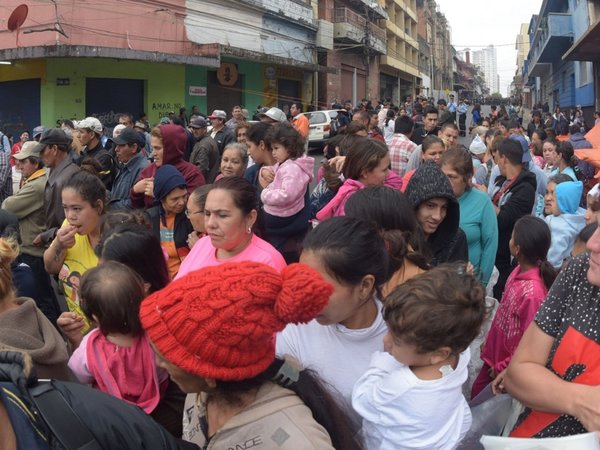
319	127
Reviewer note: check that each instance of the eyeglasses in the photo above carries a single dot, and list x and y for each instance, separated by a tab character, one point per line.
188	213
241	134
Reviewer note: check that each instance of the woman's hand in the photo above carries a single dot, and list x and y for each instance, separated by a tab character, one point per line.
71	325
338	163
192	239
143	186
65	237
588	409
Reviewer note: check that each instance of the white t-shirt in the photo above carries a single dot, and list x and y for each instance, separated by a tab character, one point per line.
337	354
401	411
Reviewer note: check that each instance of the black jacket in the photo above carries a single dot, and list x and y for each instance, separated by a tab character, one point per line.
448	243
515	203
114	424
224	137
105	159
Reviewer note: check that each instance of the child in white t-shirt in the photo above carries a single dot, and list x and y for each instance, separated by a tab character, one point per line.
411	395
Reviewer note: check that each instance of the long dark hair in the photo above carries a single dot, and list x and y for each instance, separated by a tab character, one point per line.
138	248
393	214
533	237
323	406
350	249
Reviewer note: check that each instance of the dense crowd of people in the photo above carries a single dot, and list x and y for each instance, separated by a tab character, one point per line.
215	287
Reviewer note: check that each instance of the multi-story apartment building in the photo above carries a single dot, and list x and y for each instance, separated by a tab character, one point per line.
353	61
435	49
560	60
487	60
400	65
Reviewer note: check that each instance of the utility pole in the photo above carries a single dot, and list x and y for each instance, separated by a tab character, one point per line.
367	54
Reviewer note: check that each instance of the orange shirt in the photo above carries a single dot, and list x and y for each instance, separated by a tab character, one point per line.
300	123
167	242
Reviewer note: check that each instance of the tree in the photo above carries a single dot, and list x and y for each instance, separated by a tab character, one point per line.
497	96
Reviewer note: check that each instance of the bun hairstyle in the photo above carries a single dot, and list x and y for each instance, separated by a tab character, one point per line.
9	250
218	322
391	212
444	307
533	237
567	153
350	249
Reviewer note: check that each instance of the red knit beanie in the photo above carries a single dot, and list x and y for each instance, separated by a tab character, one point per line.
220	322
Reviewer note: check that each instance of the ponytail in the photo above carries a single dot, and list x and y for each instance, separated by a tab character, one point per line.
548	273
533	237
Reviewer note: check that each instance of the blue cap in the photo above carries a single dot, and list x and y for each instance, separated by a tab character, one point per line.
524	145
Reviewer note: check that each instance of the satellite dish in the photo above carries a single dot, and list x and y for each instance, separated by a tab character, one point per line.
17	18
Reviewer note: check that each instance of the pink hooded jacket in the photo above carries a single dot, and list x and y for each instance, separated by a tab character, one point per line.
337	205
284	197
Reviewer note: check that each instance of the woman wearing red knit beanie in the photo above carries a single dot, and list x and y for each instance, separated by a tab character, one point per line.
213	331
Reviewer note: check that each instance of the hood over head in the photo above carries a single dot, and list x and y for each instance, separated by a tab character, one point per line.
429	182
568	196
174	143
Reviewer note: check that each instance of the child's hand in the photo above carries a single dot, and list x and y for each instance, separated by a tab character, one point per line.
266	177
71	325
498	384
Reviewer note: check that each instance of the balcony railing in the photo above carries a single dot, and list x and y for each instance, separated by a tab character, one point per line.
346	15
352	26
552	39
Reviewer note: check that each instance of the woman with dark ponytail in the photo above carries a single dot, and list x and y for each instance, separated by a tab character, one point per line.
212	330
391	213
525	290
566	161
350	254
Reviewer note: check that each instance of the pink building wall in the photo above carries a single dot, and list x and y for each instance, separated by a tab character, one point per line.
136	26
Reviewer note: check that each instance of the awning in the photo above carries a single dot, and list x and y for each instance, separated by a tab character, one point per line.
586	47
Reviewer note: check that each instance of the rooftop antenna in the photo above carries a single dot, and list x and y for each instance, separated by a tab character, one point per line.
17	18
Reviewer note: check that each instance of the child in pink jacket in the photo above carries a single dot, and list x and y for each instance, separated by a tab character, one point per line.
285	204
525	291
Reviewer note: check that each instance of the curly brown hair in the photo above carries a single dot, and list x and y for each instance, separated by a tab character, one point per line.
444	307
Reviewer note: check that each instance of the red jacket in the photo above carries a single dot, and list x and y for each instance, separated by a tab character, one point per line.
174	143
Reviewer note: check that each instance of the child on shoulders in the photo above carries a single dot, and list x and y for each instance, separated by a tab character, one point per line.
411	395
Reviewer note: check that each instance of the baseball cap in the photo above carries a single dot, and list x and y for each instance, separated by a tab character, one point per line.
275	114
198	122
91	123
524	145
218	114
54	136
29	148
140	125
129	136
38	131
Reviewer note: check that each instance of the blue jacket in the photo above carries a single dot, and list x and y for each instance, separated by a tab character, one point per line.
120	197
568	224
